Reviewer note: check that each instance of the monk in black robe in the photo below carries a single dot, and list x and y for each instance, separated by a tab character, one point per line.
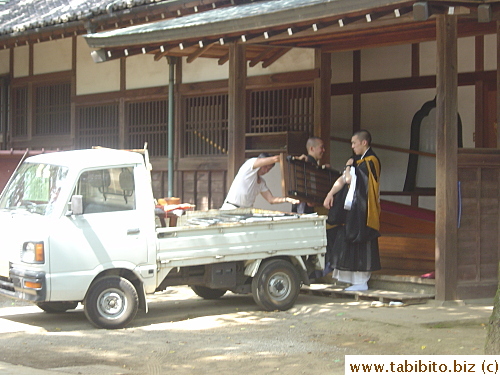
354	210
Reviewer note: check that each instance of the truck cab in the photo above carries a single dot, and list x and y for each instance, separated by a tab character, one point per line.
47	242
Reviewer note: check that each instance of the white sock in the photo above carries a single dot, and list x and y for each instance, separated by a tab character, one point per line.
355	287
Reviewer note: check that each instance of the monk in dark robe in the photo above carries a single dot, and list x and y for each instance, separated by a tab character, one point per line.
354	210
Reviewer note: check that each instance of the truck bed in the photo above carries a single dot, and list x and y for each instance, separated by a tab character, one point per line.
204	237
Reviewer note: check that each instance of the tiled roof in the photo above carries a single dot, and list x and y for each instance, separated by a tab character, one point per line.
22	15
264	14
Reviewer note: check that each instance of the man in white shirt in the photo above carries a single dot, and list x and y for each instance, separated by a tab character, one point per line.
249	183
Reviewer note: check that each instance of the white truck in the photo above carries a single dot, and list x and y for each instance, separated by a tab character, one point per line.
80	227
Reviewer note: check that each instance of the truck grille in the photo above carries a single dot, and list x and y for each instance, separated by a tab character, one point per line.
6	284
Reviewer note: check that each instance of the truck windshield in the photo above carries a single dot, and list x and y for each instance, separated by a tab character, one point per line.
34	188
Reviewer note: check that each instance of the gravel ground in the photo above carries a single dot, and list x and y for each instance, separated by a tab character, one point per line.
184	334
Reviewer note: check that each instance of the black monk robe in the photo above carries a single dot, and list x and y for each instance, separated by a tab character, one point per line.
353	242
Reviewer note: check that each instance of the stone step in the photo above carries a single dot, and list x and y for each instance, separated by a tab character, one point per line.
377	296
402	283
395	282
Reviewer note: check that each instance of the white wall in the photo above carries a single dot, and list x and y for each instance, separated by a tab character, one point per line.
386	62
203	69
465	54
21	61
92	78
294	60
143	71
53	56
490	52
341	115
466	109
428	58
342	67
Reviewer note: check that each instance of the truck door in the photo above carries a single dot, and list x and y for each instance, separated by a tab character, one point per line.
111	229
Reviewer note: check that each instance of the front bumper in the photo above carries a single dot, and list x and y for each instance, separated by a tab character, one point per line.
15	286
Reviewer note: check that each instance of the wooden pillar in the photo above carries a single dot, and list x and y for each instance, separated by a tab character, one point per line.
177	128
121	103
446	158
322	99
236	108
498	84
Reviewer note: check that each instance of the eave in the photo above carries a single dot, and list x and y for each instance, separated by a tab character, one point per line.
270	28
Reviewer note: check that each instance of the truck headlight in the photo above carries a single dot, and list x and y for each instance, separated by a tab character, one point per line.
33	252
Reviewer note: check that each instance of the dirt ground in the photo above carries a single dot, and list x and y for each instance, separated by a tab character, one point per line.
183	334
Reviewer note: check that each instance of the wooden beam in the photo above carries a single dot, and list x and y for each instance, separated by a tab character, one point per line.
199	52
415	60
166	51
446	158
275	57
261	56
236	109
322	99
224	59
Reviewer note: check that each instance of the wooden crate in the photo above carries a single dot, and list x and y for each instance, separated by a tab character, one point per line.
305	181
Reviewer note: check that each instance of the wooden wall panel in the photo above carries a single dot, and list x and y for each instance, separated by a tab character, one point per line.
478	234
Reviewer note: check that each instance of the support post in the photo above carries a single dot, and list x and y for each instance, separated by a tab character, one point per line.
237	109
322	99
446	159
498	85
170	125
5	112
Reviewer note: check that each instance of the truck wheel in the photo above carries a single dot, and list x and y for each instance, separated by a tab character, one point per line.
208	293
276	285
111	302
56	307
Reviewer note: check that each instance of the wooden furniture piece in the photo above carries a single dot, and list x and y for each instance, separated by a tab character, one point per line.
289	142
306	181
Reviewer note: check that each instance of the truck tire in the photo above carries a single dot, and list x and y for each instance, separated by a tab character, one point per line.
56	307
276	285
111	302
208	293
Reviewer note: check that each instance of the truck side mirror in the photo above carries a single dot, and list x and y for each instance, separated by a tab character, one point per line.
76	205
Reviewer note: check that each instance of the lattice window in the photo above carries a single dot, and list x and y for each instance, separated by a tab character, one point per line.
20	112
205	125
289	109
97	126
52	109
147	122
205	189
